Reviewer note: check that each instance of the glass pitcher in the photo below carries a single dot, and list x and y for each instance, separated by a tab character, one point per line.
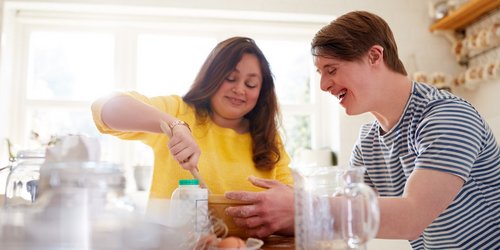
334	209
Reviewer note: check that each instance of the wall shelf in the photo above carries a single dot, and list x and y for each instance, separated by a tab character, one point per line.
465	15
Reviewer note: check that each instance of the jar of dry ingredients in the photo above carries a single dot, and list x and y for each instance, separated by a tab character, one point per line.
190	205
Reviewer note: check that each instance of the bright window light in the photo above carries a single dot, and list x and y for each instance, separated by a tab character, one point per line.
70	65
168	64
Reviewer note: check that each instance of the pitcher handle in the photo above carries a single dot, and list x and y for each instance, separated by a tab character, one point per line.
357	233
374	218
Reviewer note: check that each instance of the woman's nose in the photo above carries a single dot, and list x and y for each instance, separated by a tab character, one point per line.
238	89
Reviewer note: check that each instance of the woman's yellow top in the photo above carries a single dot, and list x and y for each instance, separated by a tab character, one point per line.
225	162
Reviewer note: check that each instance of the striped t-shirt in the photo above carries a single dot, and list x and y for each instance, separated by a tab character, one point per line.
442	132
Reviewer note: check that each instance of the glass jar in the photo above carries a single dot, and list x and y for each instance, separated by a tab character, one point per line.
98	186
82	205
22	181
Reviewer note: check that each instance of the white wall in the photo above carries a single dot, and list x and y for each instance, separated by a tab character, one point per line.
487	102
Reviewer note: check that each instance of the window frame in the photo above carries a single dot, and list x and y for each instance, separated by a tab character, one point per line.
22	19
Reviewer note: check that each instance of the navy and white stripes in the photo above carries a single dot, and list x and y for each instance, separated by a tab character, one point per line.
442	132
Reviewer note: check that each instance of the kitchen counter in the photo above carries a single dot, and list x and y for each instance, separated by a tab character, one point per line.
288	243
279	243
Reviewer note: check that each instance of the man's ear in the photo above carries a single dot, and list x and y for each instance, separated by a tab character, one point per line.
375	54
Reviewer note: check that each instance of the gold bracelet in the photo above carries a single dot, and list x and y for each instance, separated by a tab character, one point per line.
177	123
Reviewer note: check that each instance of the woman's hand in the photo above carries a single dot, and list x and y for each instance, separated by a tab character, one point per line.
272	210
183	147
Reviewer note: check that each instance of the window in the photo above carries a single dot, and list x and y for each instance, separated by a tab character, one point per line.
63	62
59	68
65	70
291	63
168	64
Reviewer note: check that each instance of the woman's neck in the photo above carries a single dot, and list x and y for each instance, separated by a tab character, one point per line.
241	126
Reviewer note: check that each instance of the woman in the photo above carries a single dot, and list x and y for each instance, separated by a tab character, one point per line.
225	125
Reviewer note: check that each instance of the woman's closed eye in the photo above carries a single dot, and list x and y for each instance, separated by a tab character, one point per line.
251	84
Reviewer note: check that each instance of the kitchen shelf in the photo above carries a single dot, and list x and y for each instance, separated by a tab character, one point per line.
465	15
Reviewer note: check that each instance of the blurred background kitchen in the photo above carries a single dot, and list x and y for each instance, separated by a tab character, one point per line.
59	55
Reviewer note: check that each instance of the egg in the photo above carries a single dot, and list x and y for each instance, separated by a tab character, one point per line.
232	242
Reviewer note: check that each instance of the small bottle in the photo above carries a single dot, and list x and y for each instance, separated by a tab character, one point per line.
193	203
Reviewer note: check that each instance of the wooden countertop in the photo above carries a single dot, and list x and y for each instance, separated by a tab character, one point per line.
279	243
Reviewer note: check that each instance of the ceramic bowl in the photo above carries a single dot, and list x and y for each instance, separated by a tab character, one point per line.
217	205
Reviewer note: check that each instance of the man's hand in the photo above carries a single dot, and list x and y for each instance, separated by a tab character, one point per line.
272	210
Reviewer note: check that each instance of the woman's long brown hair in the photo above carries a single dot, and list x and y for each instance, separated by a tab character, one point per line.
263	118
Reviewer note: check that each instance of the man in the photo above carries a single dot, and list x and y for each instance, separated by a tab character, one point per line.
431	157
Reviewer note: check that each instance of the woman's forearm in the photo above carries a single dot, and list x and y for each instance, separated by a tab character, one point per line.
128	114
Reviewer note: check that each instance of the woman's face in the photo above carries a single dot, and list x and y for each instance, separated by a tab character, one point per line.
348	81
238	93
